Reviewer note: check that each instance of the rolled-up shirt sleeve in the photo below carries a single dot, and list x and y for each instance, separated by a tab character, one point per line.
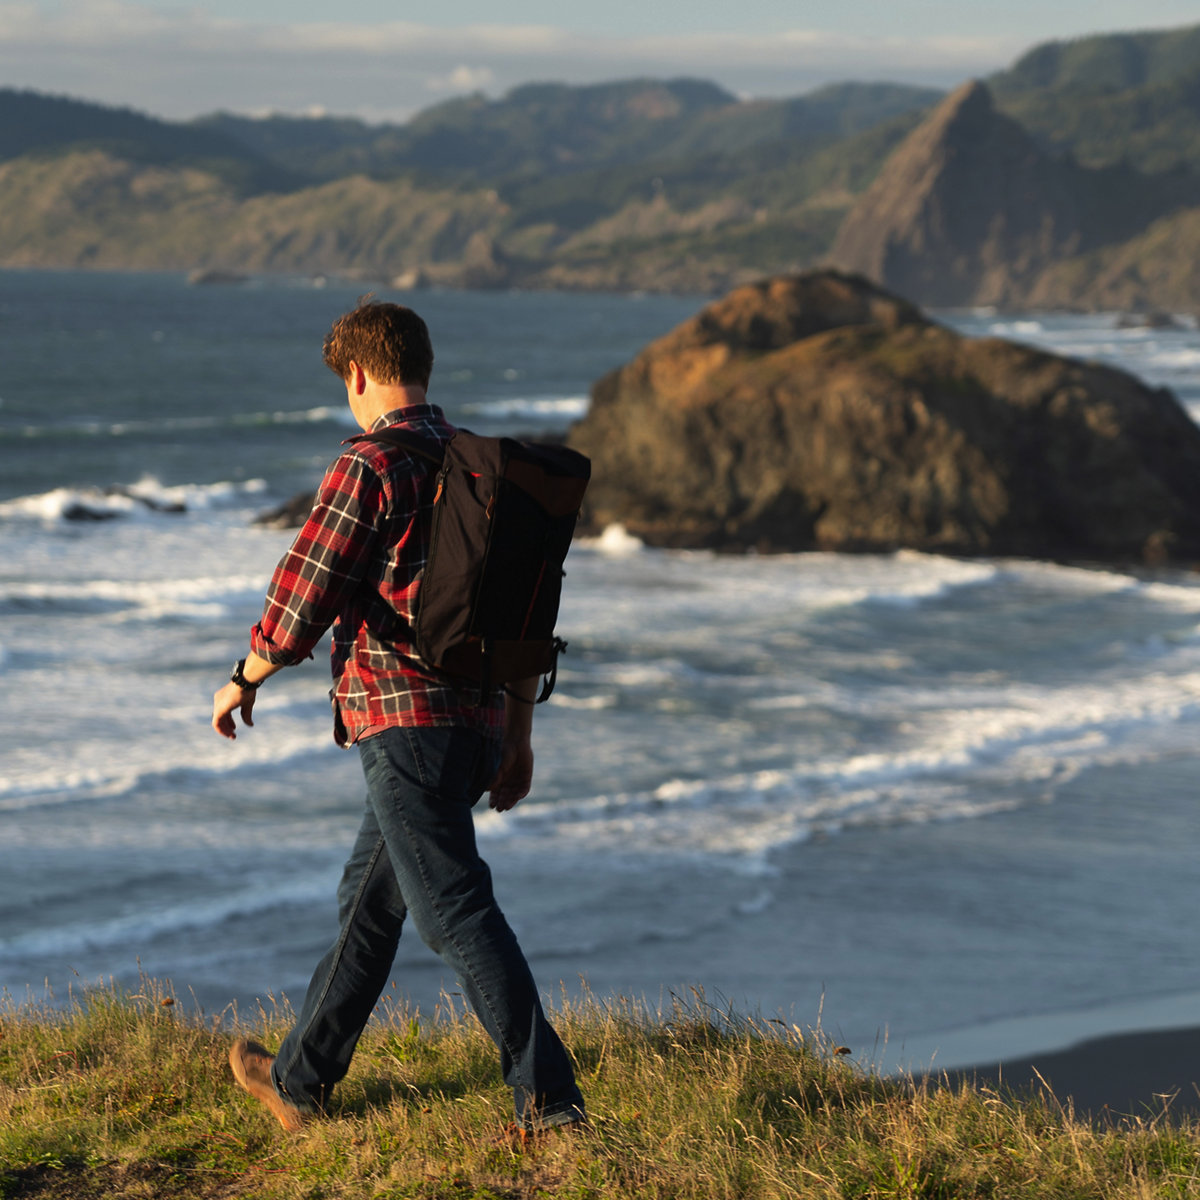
325	564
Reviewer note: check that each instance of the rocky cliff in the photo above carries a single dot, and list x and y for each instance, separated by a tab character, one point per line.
969	210
820	412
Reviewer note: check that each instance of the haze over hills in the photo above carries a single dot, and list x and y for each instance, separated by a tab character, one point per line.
1064	179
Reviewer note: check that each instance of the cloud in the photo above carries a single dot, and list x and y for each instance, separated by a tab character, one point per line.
183	62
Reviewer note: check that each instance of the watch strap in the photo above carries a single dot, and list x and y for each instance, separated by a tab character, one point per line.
237	676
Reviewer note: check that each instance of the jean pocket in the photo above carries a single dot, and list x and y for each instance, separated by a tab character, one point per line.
450	762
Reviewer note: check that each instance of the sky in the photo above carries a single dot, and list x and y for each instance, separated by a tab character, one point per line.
385	60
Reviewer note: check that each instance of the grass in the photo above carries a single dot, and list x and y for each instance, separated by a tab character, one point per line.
122	1094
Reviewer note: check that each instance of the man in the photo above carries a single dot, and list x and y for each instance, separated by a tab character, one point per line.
429	748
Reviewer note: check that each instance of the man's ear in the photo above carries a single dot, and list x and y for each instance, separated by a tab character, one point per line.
356	380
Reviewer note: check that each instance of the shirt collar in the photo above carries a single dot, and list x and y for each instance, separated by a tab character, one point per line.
408	416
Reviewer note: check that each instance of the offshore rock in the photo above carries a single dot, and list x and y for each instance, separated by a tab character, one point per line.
820	412
291	514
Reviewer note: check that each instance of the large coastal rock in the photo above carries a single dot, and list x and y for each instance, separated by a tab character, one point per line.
970	210
820	412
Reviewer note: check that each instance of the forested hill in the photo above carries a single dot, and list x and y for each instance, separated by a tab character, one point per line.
652	184
1131	98
32	123
554	129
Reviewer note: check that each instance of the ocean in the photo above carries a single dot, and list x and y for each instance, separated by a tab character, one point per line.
945	809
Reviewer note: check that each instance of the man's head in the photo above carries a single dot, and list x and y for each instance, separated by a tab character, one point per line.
388	341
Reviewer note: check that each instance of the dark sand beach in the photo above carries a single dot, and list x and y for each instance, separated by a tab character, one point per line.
1107	1078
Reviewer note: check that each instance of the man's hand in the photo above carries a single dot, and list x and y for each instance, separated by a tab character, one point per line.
515	776
226	702
231	698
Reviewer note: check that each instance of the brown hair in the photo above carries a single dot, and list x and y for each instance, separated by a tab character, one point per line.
390	342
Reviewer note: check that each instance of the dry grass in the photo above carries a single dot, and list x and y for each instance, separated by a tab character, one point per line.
123	1095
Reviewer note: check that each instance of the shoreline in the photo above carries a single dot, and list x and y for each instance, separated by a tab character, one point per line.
1122	1075
1121	1060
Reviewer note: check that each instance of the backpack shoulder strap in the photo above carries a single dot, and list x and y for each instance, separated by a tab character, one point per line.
428	448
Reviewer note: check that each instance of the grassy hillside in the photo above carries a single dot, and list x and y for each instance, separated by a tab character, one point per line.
125	1095
91	209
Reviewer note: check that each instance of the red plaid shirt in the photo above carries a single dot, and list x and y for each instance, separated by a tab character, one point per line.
356	566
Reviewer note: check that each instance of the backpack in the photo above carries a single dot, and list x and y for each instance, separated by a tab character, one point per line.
504	513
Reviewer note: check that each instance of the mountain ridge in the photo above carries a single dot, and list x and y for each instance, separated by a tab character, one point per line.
648	184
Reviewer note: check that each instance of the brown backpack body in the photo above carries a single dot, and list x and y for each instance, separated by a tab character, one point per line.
504	513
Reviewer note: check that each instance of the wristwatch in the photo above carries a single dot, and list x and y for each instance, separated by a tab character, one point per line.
236	676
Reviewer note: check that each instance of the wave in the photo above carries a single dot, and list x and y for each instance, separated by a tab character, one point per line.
749	649
1182	359
569	408
958	752
140	599
674	592
147	923
145	498
112	761
1172	357
1018	329
955	751
614	542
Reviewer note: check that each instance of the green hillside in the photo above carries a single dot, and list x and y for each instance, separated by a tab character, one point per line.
32	123
1112	62
1120	98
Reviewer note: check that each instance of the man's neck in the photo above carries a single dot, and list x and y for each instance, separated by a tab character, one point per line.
380	399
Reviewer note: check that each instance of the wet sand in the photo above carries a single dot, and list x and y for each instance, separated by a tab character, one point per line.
1107	1078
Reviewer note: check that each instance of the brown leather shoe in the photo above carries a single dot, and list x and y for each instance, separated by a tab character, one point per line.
251	1065
519	1137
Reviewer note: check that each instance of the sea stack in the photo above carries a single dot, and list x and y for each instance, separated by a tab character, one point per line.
819	411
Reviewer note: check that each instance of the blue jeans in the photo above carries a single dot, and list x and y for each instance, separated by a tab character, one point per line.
416	854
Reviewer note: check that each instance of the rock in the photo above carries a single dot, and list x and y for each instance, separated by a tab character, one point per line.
820	412
93	504
77	510
207	276
291	514
970	210
153	503
484	265
1156	319
410	280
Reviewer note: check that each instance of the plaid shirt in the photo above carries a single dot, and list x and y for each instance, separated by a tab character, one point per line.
356	566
